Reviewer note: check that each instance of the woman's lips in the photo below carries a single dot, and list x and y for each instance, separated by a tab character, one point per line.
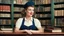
31	13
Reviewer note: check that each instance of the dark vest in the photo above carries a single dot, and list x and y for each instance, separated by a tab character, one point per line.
32	27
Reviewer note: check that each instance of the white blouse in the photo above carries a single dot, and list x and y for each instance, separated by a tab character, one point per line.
28	23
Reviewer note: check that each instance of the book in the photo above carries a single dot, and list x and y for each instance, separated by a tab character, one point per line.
0	7
37	15
5	8
6	29
46	1
58	12
55	22
42	1
62	12
59	22
47	8
20	1
6	1
57	30
8	21
42	22
59	6
18	9
5	21
17	15
0	21
45	22
4	15
55	12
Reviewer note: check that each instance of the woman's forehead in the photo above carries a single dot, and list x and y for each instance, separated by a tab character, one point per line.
30	7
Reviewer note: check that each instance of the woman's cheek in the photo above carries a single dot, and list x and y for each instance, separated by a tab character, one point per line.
30	13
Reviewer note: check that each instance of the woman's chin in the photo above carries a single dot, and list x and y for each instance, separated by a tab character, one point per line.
30	16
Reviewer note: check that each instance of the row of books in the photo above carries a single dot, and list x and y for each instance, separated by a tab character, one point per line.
42	15
42	1
59	6
24	1
15	1
45	22
4	15
46	1
42	9
9	15
18	9
5	8
17	15
6	30
37	9
5	21
20	1
59	13
59	22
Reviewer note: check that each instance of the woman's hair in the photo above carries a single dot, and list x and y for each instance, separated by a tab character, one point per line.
23	13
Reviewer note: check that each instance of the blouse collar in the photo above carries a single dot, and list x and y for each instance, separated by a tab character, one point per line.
30	19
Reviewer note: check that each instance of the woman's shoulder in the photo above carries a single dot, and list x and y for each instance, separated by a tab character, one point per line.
20	18
35	19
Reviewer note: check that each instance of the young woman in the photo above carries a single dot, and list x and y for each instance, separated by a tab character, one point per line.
28	24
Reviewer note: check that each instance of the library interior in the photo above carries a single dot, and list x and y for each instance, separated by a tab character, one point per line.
50	13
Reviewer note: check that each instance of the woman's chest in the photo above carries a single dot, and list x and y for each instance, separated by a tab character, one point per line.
28	23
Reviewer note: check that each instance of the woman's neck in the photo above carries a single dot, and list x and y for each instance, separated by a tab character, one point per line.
28	18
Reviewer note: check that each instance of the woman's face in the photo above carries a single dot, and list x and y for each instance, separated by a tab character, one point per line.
29	11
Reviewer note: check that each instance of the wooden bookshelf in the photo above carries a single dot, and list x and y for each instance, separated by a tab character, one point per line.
5	4
58	3
59	10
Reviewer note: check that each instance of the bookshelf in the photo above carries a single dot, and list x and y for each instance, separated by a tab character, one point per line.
59	12
43	11
47	11
5	15
10	11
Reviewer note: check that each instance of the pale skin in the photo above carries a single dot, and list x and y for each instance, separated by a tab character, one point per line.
29	13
